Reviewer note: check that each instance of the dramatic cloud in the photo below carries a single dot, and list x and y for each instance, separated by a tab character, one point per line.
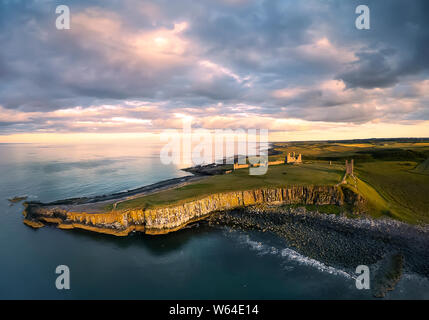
279	64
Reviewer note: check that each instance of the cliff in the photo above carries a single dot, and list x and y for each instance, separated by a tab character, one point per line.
173	217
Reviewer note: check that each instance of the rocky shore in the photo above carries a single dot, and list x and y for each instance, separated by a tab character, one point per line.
388	247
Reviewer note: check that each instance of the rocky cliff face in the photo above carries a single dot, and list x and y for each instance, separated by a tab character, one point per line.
174	217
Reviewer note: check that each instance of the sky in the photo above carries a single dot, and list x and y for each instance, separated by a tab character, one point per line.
129	68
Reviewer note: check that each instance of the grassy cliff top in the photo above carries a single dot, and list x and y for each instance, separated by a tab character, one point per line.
314	173
391	175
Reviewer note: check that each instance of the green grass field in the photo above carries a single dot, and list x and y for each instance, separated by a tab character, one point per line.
405	191
280	175
391	174
423	167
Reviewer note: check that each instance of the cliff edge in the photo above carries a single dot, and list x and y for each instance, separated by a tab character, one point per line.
161	220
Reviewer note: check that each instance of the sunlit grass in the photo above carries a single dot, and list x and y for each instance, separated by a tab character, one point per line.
405	191
276	176
392	188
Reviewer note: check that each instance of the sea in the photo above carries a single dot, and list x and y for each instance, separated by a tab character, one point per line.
197	263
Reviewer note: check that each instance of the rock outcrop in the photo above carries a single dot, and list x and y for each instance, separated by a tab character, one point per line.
173	217
388	274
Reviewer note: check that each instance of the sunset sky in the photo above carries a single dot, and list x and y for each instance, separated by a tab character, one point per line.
133	68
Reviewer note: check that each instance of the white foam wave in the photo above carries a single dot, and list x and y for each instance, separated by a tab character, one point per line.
292	255
295	256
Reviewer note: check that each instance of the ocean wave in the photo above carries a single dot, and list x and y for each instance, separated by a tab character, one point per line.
297	257
292	255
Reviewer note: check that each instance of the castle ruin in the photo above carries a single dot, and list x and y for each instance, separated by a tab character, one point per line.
290	158
293	158
349	167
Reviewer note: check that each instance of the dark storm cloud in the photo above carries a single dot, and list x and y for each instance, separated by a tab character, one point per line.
373	70
230	52
397	45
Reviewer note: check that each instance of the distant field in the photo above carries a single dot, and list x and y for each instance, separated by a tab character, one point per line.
363	152
391	174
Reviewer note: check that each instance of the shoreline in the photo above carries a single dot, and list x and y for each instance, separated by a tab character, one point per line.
388	247
95	204
346	239
197	173
170	218
90	213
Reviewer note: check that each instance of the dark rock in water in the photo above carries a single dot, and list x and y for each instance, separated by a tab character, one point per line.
17	199
388	275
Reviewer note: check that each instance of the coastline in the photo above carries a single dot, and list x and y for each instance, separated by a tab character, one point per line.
170	218
197	173
37	214
293	213
390	248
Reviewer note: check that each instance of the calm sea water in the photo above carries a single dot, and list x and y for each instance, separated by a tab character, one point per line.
198	263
